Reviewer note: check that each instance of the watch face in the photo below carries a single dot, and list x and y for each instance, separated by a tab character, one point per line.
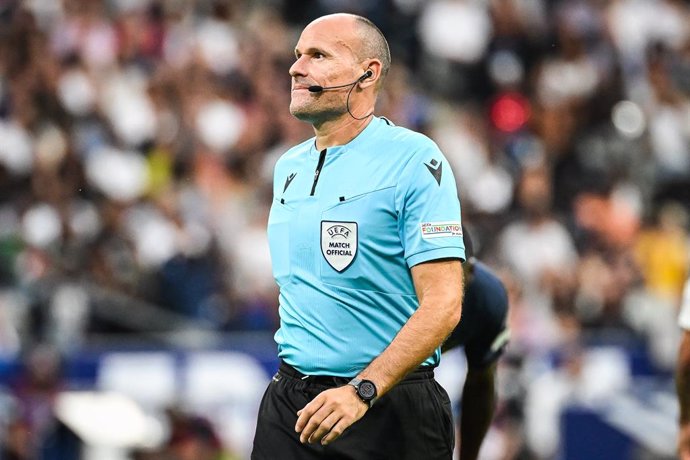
367	390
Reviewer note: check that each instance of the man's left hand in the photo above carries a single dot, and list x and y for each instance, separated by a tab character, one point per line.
328	415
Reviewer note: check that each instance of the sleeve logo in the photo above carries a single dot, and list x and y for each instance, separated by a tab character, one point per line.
288	181
436	170
441	229
339	243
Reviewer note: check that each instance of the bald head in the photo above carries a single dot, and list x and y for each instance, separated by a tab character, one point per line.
370	43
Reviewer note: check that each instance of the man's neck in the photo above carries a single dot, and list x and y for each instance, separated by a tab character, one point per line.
339	131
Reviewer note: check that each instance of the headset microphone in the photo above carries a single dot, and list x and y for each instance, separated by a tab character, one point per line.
318	89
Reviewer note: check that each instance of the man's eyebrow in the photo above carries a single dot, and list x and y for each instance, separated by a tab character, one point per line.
310	50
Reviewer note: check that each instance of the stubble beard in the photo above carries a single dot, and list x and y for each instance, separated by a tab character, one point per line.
311	112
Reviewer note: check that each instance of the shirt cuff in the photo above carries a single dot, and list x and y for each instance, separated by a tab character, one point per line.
434	254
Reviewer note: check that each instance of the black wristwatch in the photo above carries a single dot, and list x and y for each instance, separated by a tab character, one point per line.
366	390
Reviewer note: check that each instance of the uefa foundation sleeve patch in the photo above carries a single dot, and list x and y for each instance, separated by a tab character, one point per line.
441	229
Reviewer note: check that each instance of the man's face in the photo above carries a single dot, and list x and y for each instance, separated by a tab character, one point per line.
326	56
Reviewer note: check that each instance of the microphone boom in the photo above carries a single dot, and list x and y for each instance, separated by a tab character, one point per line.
318	89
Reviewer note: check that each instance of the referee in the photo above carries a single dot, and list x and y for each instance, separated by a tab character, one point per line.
366	245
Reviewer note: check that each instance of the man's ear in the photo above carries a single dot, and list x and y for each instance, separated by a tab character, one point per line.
371	75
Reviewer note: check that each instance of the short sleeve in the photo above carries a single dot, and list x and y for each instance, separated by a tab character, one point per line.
429	208
487	347
483	330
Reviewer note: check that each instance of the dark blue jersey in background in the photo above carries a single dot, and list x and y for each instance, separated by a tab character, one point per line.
482	329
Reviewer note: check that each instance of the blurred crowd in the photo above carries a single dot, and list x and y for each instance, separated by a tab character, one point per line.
138	138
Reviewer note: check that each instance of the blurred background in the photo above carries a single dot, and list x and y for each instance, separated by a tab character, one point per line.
137	141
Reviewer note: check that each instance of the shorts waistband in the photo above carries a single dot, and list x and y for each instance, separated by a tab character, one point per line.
421	373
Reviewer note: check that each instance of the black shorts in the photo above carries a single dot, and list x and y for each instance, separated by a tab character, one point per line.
412	421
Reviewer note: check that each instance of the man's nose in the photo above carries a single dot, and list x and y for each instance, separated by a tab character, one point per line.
297	68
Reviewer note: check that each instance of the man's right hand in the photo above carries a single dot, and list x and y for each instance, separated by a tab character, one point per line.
329	414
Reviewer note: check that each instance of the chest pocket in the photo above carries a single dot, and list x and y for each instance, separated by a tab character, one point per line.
358	236
279	240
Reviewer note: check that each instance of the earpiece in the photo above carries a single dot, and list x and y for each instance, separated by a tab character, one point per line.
366	75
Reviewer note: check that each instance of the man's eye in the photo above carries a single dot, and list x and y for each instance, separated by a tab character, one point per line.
318	55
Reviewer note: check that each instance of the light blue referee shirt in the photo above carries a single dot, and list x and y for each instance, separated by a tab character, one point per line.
346	225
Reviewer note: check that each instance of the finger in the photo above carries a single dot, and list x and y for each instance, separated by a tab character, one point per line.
336	431
324	427
313	423
304	414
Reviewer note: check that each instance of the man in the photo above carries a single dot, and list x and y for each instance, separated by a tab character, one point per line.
484	335
683	376
366	246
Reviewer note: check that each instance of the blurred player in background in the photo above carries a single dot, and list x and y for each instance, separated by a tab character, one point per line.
483	334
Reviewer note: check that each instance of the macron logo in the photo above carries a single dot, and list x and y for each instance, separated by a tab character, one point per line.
288	180
435	170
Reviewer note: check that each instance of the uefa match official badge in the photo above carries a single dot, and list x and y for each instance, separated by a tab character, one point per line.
339	243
